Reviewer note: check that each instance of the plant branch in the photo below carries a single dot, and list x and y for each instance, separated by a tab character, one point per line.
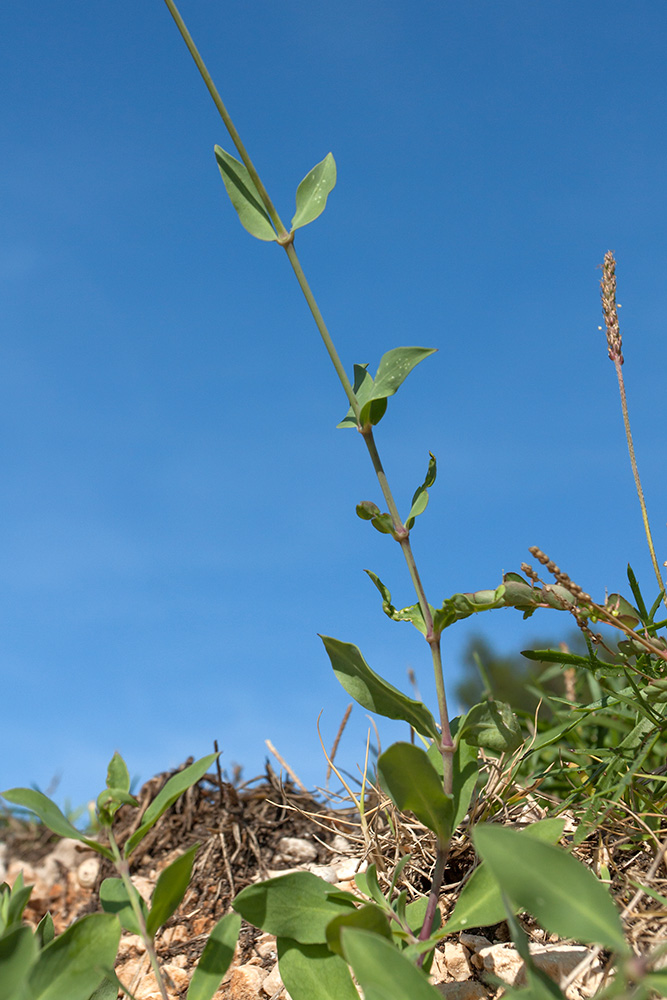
229	124
123	869
434	895
615	347
322	327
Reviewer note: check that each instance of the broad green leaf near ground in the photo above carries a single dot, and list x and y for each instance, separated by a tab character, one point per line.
560	892
409	778
382	971
298	905
70	968
372	692
51	816
115	899
173	789
215	959
170	889
18	953
312	972
480	902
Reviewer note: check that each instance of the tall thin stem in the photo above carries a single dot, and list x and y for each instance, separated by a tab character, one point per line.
224	114
615	346
322	327
401	533
123	869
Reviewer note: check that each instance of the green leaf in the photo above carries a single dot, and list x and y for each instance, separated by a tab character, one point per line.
45	931
170	889
244	196
656	981
368	917
369	511
411	781
372	393
72	965
562	894
108	988
51	816
109	802
556	656
115	899
173	789
493	726
215	959
461	606
480	902
540	986
312	972
367	882
622	610
118	775
465	769
363	390
420	498
19	895
18	953
394	368
313	191
382	971
372	692
298	905
412	614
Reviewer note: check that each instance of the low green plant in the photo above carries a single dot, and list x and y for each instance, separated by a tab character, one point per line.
326	935
323	932
78	964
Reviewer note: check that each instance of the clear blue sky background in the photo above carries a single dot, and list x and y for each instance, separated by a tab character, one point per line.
176	506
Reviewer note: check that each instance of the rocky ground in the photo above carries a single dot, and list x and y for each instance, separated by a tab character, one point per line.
256	831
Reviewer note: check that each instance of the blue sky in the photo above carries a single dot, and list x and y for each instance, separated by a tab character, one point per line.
177	507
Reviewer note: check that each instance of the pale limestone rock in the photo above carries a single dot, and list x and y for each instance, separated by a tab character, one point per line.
148	988
326	872
132	970
557	960
470	989
265	946
295	850
347	868
87	872
15	869
278	873
143	886
340	844
273	983
457	961
131	945
502	961
68	852
474	942
246	982
438	972
40	895
174	935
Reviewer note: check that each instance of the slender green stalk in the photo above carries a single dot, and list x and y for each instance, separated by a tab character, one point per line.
615	345
322	327
432	905
123	870
229	124
401	532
